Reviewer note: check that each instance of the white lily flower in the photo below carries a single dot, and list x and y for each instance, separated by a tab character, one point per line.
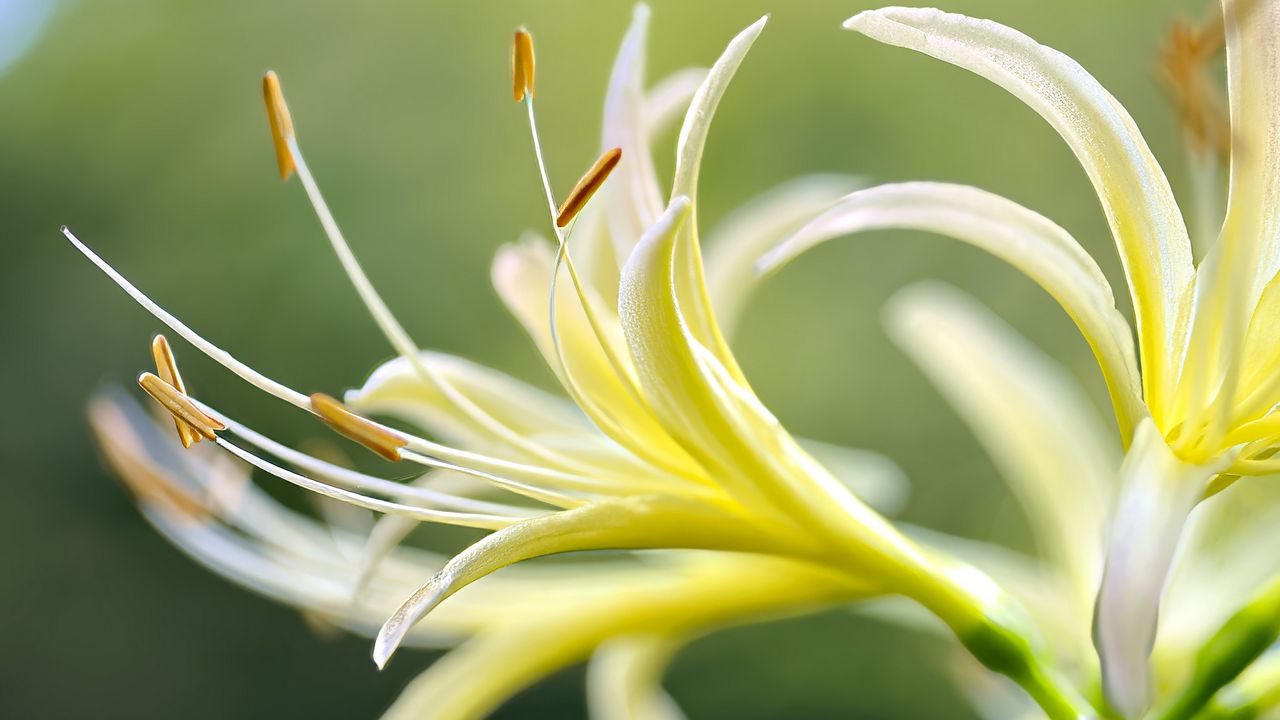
1200	412
663	447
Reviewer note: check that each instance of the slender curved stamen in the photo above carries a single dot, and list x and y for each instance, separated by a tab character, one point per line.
488	522
278	113
224	358
353	480
167	369
622	370
467	462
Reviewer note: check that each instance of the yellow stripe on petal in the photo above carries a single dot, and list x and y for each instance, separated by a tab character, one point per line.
1135	194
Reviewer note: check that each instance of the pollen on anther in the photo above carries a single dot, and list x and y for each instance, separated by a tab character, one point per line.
281	123
587	186
357	428
522	64
178	404
167	369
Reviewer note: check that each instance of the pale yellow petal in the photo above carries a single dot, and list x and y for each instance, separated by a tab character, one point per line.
690	281
1030	242
1147	224
624	678
629	523
631	198
396	388
522	274
1253	75
1033	419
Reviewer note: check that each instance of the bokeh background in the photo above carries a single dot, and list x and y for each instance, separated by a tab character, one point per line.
139	123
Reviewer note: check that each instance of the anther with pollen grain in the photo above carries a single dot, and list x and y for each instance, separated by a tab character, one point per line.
587	186
177	403
167	369
522	64
343	421
281	123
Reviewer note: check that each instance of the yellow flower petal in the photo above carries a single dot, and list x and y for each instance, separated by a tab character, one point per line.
1135	194
1035	423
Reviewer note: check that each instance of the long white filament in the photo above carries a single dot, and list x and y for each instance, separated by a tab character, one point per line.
394	331
600	415
466	461
489	522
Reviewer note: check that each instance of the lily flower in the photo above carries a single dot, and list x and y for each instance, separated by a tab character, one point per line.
1055	452
664	447
1200	412
511	629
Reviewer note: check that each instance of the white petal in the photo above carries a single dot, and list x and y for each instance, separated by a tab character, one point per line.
1032	418
631	197
1253	74
1030	242
1157	492
1135	194
624	679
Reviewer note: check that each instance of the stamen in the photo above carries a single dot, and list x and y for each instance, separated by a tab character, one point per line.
364	501
522	64
167	369
180	405
281	123
587	186
378	439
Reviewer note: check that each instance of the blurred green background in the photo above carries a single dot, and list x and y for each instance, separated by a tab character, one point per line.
139	123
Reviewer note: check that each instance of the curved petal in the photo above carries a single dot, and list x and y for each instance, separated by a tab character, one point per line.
1148	227
717	418
521	274
873	477
1033	419
629	523
1157	492
1253	77
631	198
691	282
474	679
517	405
1030	242
624	678
669	98
744	235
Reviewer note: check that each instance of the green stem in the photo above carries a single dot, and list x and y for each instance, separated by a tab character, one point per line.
992	633
1234	647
